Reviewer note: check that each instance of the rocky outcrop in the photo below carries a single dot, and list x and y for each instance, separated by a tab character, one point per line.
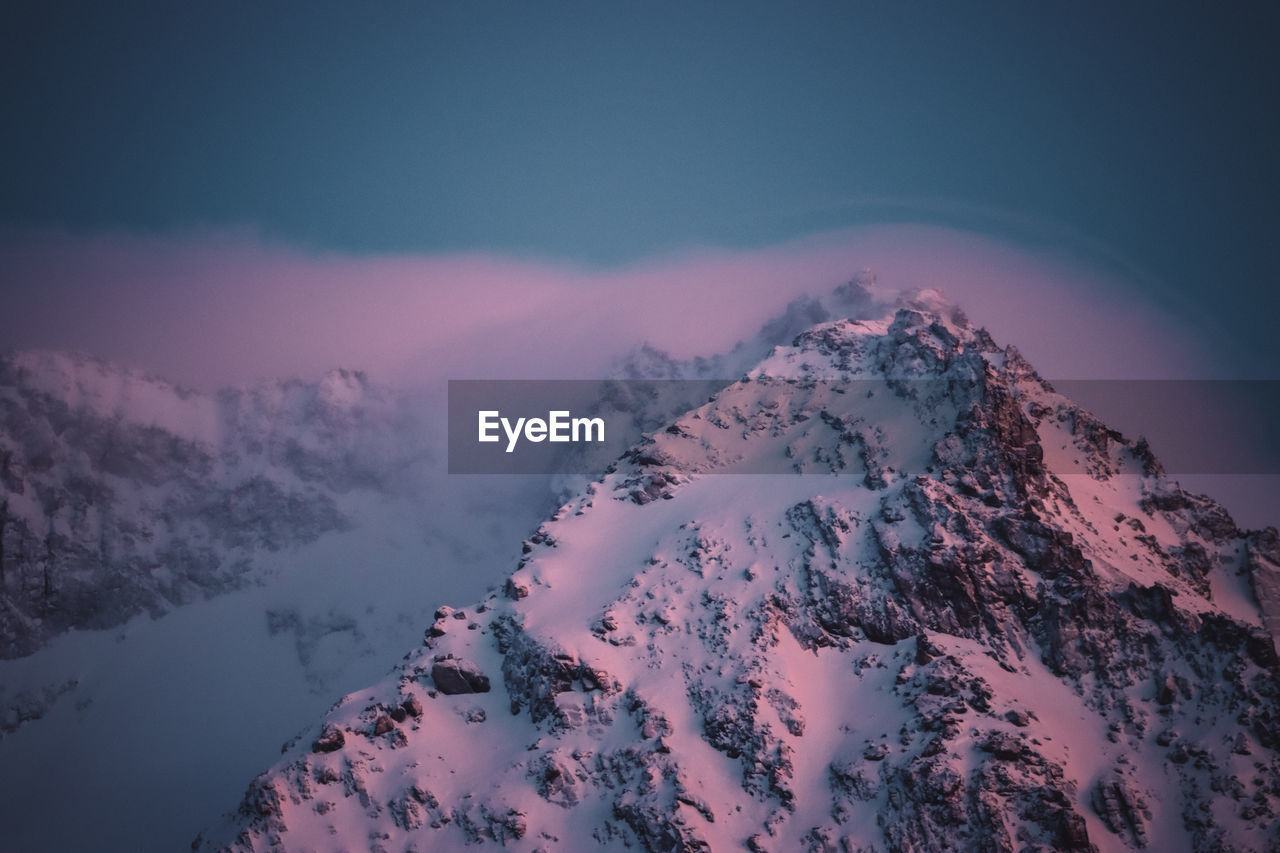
452	677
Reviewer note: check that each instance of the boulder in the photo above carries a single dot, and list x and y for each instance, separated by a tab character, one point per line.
453	676
330	740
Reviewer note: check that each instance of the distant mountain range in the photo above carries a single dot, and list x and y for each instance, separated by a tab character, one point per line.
122	494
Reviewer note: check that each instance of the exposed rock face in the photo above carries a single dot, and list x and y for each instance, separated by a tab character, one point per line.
976	619
452	677
330	740
121	494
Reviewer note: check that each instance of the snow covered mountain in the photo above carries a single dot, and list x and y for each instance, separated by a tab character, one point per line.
121	494
970	617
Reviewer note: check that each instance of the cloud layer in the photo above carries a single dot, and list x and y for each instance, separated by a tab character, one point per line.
215	308
226	307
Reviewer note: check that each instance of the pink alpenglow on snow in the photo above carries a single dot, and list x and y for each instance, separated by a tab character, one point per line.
1041	640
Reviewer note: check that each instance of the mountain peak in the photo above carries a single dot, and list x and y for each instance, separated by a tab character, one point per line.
961	613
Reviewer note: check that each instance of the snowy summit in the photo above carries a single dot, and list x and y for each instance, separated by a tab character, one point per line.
972	617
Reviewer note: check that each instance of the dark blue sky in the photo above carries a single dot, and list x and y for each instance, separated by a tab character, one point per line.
608	132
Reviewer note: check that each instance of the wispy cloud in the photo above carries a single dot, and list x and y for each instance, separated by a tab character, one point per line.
217	307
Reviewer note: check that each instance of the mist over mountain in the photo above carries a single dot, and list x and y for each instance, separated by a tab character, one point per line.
226	560
187	576
124	494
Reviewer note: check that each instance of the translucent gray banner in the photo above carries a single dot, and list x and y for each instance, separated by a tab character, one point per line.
549	427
